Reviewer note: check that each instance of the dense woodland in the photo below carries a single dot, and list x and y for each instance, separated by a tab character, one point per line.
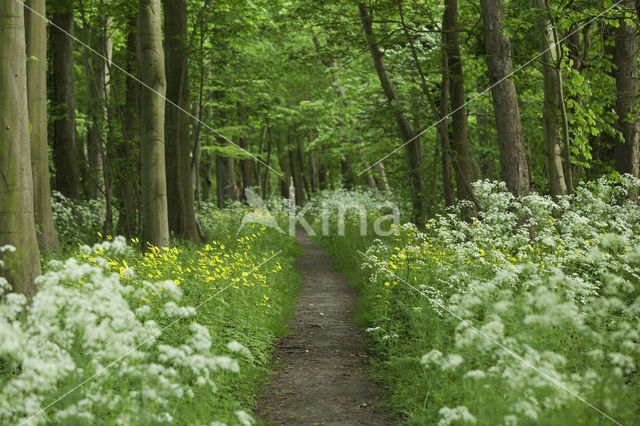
507	130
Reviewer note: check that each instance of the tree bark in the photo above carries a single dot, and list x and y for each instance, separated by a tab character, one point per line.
245	164
462	156
513	162
17	225
626	73
383	178
97	70
297	177
412	143
154	190
36	41
65	154
180	197
127	164
443	126
551	119
313	171
371	180
265	179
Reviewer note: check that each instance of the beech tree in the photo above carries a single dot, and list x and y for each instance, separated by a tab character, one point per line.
626	74
180	194
36	41
515	171
462	160
155	228
65	153
17	226
553	102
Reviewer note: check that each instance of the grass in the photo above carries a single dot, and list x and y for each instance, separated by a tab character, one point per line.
186	365
518	316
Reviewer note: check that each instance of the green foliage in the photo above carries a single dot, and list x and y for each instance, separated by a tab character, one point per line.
493	320
181	335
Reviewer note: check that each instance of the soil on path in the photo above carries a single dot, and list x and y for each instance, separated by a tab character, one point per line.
320	375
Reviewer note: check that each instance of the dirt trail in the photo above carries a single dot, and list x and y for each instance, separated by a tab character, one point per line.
320	375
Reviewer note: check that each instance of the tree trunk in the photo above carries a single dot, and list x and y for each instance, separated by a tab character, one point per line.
383	178
300	159
513	160
154	190
97	81
127	164
626	62
297	177
65	155
313	171
443	127
245	164
412	143
180	197
17	225
371	180
462	157
221	181
440	115
36	40
207	170
551	119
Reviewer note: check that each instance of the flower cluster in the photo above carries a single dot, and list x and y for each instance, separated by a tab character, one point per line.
121	337
81	330
516	315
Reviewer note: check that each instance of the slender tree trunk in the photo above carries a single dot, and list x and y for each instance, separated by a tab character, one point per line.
371	180
313	171
265	180
207	171
412	143
551	119
245	164
383	178
221	181
232	190
300	160
154	189
297	178
462	157
36	40
322	175
626	61
127	164
443	127
440	115
17	225
65	155
513	160
182	219
97	70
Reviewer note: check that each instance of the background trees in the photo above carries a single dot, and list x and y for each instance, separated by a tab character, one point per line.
279	95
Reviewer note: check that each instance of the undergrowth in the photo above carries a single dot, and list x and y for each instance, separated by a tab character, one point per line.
527	314
175	336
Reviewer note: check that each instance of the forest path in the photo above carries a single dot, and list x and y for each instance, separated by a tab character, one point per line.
320	375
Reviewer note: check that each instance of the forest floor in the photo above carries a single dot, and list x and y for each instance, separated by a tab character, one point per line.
321	367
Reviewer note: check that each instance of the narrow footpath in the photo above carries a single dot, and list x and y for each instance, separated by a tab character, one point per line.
320	375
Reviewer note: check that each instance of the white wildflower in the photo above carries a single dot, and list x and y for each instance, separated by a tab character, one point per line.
235	346
456	415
